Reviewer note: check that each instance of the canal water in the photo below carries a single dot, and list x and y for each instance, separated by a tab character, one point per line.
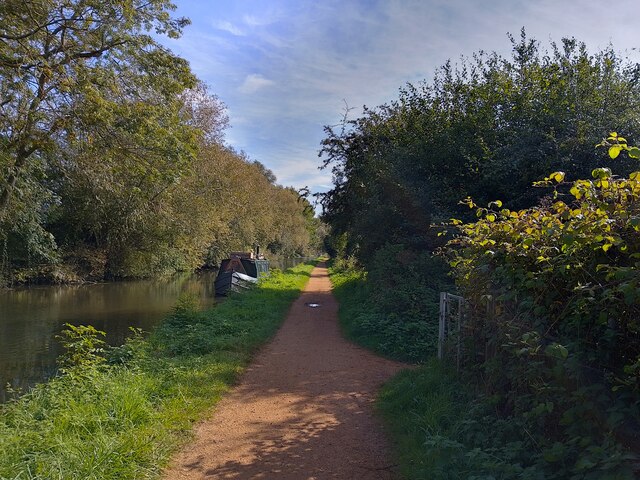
31	317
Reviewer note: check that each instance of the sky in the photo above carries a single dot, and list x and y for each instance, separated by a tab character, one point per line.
287	68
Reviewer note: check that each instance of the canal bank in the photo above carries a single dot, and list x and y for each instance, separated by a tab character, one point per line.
123	419
32	317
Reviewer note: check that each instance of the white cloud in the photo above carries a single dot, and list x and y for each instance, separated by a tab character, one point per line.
230	28
266	17
253	21
311	55
254	82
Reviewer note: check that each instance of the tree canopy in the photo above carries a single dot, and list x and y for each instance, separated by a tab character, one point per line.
486	128
112	156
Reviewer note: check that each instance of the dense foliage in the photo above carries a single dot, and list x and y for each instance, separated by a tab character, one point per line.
112	160
391	308
487	128
550	353
119	413
561	353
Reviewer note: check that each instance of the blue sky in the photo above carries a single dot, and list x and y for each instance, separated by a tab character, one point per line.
286	68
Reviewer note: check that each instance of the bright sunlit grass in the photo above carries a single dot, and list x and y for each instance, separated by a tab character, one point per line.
124	419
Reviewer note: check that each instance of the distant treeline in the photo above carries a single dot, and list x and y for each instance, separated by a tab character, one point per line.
112	154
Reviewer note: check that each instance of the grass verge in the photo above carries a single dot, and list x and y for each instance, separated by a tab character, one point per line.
392	308
429	415
122	418
422	409
363	322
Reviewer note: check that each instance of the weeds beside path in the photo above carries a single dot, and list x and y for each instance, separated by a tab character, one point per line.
304	408
121	417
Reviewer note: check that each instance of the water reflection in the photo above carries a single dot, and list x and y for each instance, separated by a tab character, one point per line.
30	318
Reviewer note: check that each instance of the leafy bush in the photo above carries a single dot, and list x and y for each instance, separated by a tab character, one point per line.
392	308
561	353
84	347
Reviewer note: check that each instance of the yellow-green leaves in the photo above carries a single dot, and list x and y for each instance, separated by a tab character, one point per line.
575	191
617	144
614	151
601	173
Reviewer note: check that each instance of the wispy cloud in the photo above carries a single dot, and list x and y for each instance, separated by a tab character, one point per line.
254	82
230	28
311	55
255	21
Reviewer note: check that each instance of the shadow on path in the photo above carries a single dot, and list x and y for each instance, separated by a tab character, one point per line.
303	410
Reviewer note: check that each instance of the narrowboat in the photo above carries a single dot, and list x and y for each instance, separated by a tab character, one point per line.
240	271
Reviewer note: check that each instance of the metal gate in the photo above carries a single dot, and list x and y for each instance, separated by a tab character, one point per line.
453	312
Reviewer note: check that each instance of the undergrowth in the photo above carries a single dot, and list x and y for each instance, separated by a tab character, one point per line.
393	307
450	426
119	413
443	430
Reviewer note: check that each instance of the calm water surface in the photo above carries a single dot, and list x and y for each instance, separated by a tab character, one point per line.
31	317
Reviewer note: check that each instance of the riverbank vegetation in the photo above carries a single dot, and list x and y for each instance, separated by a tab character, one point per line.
120	412
543	248
112	154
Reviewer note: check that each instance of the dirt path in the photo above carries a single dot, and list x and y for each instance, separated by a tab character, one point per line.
303	410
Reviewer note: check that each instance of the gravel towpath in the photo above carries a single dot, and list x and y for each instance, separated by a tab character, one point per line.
303	410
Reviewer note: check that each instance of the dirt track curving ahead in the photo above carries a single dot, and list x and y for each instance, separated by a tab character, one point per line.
302	411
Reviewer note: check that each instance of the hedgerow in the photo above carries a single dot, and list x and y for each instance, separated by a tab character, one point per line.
560	354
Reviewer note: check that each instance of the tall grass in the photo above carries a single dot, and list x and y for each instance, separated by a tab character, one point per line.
122	419
422	409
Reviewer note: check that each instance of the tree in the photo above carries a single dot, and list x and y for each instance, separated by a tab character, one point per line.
87	94
487	128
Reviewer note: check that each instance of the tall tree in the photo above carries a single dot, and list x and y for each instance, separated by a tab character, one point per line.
487	128
83	83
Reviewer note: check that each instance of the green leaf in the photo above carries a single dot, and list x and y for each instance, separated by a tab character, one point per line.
601	172
634	152
557	350
614	151
557	176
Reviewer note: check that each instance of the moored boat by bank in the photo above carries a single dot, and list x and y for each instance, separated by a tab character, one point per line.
240	271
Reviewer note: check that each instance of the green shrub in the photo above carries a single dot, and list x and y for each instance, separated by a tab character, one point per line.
84	347
560	356
393	308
